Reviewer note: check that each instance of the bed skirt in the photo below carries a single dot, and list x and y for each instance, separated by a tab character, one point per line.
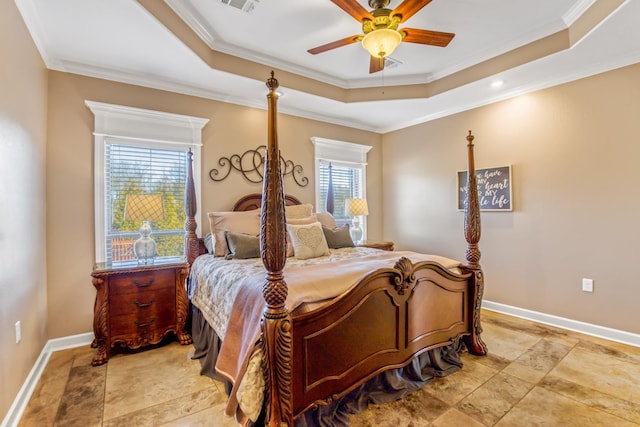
388	386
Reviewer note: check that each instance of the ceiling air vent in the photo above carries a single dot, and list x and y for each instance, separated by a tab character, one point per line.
390	62
243	5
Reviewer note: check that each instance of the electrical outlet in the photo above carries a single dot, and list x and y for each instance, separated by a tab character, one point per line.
18	332
587	285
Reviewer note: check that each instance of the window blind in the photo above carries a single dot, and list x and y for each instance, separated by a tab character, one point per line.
347	184
132	169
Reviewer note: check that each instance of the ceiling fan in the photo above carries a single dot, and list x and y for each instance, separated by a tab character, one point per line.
380	27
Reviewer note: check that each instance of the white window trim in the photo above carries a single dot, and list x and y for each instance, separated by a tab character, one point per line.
341	153
143	128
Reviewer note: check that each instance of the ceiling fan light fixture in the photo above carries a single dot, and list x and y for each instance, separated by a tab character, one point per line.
382	42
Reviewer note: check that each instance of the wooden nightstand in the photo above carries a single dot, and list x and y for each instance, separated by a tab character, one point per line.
138	305
385	246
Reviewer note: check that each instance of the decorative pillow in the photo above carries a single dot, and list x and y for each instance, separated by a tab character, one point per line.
298	211
298	221
308	240
247	222
338	237
242	246
326	219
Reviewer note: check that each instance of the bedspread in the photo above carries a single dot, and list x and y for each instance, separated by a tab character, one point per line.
229	294
214	281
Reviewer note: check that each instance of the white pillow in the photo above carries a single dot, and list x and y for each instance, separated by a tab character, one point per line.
326	219
308	240
247	222
298	211
303	220
298	221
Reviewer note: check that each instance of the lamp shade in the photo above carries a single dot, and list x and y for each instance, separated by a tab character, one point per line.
144	207
382	42
356	207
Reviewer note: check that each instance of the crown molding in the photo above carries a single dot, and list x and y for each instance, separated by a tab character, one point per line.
154	82
32	20
350	123
554	79
576	11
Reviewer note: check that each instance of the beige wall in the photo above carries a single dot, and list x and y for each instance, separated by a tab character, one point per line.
574	151
231	130
23	291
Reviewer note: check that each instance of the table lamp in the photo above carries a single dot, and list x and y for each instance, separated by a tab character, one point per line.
145	208
356	208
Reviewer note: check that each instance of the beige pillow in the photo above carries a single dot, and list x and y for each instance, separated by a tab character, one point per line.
302	221
298	221
308	240
326	219
247	222
298	211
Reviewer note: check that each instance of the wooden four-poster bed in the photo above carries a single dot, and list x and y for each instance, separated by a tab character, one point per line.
387	318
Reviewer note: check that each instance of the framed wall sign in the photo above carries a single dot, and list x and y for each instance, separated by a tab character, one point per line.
494	189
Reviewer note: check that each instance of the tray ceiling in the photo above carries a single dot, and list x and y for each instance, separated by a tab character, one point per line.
215	50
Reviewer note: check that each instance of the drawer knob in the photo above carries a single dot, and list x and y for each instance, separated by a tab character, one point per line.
142	325
142	305
144	285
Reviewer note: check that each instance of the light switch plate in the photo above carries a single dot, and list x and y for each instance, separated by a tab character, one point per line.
18	332
587	285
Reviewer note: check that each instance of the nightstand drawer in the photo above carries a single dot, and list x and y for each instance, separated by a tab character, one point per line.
126	326
141	281
141	302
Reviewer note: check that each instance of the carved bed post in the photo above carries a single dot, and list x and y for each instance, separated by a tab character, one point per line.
276	320
474	342
191	241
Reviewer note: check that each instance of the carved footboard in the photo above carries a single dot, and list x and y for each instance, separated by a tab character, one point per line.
393	315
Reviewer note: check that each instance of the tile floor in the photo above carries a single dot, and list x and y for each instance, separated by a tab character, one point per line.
535	375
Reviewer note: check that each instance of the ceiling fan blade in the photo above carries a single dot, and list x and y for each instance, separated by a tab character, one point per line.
432	38
376	64
338	43
408	8
353	8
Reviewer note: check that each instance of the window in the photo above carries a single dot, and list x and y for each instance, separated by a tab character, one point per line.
347	182
133	156
131	170
348	163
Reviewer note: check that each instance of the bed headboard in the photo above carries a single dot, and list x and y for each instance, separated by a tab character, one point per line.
254	201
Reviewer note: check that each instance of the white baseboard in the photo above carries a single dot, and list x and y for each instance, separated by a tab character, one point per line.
20	402
564	323
71	341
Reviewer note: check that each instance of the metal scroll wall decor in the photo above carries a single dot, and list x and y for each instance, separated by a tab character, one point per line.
251	165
